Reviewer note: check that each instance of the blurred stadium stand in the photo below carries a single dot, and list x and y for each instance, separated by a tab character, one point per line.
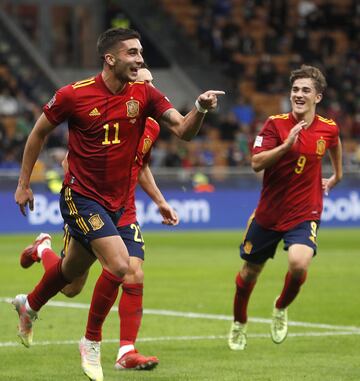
246	47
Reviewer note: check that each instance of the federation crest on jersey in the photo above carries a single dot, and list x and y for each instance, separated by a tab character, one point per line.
96	222
132	108
320	147
146	146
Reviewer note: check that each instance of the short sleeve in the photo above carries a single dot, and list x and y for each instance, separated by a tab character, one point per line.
334	140
159	103
268	138
61	106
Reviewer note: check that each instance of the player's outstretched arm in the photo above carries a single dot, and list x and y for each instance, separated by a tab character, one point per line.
34	143
335	154
148	184
186	127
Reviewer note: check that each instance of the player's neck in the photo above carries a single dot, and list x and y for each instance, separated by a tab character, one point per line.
112	83
307	117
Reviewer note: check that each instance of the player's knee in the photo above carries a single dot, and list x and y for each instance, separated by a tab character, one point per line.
120	268
139	276
135	271
134	277
250	272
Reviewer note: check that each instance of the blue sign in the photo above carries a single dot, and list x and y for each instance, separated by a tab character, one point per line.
222	209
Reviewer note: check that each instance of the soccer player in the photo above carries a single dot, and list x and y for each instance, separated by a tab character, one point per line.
289	148
130	305
106	116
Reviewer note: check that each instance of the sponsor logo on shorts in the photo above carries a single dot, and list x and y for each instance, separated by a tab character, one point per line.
248	247
96	222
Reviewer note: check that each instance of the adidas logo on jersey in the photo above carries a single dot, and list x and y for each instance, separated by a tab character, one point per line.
94	112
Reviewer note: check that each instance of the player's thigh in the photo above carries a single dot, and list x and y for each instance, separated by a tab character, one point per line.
301	244
77	260
112	254
300	257
259	244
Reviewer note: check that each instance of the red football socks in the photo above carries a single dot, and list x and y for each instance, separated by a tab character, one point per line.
130	312
50	284
291	289
49	258
104	296
241	300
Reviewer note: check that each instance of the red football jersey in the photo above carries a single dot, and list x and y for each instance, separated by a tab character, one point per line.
292	189
104	133
151	133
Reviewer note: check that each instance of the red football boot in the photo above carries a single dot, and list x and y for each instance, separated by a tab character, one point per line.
30	255
134	360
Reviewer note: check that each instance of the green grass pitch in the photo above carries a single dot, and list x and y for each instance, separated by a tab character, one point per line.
189	285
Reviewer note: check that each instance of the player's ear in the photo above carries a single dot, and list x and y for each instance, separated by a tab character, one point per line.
318	98
109	59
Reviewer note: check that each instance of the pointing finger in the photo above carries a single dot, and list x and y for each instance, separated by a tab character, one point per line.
216	92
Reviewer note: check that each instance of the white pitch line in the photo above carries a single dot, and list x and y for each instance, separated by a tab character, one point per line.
180	338
195	315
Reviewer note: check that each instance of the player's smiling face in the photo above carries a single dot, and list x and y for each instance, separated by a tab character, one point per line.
128	60
304	96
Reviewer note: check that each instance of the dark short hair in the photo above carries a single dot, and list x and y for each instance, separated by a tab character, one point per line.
108	39
311	72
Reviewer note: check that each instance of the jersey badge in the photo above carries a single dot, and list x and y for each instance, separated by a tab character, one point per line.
248	247
96	222
132	108
51	101
320	147
258	141
94	112
146	146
